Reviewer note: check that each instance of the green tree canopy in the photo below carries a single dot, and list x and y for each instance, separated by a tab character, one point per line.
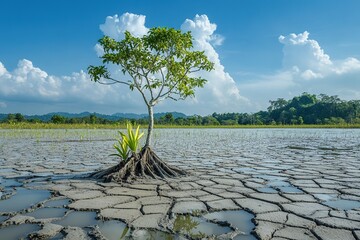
159	65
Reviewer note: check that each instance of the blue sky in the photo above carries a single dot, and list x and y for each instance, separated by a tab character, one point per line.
57	38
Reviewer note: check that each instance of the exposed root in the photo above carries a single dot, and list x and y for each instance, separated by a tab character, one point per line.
146	164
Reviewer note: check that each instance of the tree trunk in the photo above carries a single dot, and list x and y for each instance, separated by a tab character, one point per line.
151	126
145	164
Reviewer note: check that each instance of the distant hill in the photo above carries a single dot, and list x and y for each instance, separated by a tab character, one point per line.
112	117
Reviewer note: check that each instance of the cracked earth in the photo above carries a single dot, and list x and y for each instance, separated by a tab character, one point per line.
290	184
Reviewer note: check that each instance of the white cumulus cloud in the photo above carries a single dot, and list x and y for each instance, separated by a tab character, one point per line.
115	26
3	70
306	68
75	92
304	53
28	81
27	85
219	94
221	91
310	59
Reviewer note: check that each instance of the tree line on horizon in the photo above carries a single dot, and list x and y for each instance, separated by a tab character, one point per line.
304	109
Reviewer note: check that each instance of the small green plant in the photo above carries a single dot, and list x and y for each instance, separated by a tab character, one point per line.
132	138
129	141
122	149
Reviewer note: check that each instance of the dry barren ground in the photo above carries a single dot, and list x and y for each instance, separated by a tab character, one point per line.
242	184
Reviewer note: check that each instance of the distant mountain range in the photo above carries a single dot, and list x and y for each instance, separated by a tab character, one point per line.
112	117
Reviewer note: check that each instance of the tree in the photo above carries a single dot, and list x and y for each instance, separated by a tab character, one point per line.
277	104
19	117
300	120
57	119
169	118
159	66
11	118
93	118
210	120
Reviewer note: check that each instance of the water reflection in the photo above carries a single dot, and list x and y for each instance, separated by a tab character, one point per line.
186	224
343	204
23	199
78	219
57	203
48	213
18	231
239	219
144	234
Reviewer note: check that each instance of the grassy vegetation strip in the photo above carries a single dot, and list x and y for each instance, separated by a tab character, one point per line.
122	126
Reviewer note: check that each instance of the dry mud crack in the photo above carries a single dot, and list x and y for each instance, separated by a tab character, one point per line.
285	193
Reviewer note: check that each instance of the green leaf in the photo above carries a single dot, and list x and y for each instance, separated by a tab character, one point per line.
159	64
122	149
126	229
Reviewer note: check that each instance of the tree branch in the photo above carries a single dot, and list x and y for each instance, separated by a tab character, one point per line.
148	83
171	88
140	90
114	81
162	85
197	70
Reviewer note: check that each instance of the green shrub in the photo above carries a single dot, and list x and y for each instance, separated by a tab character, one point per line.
122	149
132	138
128	141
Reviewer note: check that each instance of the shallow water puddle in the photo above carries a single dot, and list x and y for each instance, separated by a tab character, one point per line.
3	218
267	190
245	237
325	197
78	219
188	225
7	170
333	201
343	204
23	199
199	227
6	183
57	203
18	231
142	234
270	177
58	236
239	219
208	228
112	230
116	230
48	213
289	189
277	183
43	174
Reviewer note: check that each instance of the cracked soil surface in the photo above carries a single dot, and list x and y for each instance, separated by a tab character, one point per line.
297	183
